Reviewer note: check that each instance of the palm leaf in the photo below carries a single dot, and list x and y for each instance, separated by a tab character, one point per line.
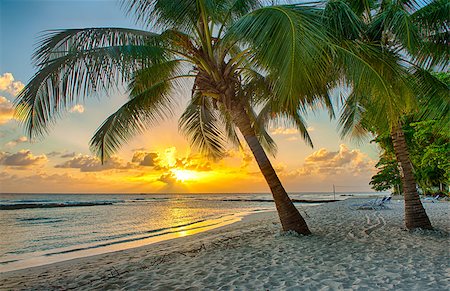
292	46
202	127
66	80
57	43
434	96
146	108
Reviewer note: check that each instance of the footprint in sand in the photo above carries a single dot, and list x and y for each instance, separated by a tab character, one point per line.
373	222
379	223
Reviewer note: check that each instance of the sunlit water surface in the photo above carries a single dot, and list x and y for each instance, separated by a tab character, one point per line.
35	236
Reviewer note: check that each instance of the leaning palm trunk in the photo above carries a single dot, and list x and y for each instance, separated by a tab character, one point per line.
415	215
290	217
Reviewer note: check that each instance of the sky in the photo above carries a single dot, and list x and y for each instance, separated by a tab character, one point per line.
160	160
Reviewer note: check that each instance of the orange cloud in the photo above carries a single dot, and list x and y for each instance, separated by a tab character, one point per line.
6	110
16	141
344	161
283	131
8	84
77	108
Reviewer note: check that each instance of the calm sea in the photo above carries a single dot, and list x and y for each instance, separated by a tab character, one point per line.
37	229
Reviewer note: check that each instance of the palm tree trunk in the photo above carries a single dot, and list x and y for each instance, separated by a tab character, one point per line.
290	218
415	215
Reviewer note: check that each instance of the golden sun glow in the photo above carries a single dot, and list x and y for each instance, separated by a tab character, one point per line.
184	175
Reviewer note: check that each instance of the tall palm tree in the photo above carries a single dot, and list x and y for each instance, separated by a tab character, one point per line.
413	34
248	63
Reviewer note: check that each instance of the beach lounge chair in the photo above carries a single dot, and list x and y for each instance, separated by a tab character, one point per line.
376	204
431	199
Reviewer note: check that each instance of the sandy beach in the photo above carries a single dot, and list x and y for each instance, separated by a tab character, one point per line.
349	250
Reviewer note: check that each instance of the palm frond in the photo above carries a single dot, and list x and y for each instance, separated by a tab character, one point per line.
146	108
434	25
177	14
434	96
292	46
68	79
230	129
362	8
270	115
341	21
351	115
399	27
202	127
54	44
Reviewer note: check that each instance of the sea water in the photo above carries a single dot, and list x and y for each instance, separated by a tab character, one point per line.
37	229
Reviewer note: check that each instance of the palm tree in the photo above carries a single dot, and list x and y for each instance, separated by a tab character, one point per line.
249	64
412	34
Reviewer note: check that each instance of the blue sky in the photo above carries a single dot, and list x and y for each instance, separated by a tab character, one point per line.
21	24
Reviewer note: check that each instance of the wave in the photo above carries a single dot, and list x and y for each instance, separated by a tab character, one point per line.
16	206
145	235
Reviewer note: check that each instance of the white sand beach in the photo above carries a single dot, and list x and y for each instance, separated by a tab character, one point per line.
349	250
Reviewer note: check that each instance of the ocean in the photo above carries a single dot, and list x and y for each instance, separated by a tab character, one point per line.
37	229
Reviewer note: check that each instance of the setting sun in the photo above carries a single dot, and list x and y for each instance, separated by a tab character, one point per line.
185	175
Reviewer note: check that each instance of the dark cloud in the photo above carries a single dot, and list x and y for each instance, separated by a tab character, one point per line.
171	184
168	178
92	164
23	159
68	155
146	159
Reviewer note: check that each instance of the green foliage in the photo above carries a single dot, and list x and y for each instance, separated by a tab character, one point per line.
429	148
388	176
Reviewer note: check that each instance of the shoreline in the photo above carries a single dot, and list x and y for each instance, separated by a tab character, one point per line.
348	250
91	250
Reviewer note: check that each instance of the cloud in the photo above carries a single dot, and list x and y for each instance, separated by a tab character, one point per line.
332	163
147	159
53	154
68	155
6	110
168	178
168	160
77	108
8	84
16	141
40	182
88	163
283	131
193	163
292	138
171	183
64	154
21	159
